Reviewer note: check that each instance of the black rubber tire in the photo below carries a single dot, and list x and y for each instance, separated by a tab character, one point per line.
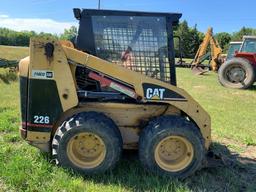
163	127
245	65
93	122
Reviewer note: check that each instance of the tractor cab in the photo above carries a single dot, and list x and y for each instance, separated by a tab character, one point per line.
140	41
234	47
248	50
249	44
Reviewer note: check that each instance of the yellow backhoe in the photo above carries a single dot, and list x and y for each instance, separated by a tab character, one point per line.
214	55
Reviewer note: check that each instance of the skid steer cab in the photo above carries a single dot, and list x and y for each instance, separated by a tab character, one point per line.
113	88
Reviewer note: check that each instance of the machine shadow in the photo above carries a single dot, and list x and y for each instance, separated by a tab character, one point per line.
236	171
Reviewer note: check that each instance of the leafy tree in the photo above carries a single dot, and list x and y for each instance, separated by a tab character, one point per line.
14	38
195	40
238	36
69	34
183	32
223	38
190	39
42	34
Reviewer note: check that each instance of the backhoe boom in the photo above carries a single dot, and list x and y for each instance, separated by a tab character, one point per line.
202	54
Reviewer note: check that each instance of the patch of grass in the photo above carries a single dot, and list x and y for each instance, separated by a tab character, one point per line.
232	111
24	168
13	53
189	60
235	147
250	141
8	76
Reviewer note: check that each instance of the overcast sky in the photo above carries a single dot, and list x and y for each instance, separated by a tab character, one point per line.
55	15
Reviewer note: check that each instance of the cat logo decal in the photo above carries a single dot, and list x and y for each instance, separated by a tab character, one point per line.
156	93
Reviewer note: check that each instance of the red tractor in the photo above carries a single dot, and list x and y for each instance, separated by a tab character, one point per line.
240	71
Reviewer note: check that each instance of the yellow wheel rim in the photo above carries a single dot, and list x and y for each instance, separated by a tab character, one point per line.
174	153
86	150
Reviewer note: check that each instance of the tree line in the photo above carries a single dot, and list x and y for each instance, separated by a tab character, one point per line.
190	40
15	38
190	37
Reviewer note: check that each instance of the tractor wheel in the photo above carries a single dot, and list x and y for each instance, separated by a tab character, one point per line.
171	146
88	143
237	73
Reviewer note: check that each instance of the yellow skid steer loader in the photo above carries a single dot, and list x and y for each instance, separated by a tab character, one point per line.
113	88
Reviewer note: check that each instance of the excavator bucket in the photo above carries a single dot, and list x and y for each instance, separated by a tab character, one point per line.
197	70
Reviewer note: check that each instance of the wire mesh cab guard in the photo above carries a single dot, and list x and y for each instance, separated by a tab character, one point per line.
140	41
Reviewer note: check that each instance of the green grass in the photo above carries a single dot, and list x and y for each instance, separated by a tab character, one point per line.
24	168
184	60
189	61
232	111
13	53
